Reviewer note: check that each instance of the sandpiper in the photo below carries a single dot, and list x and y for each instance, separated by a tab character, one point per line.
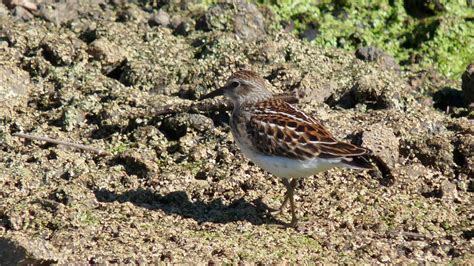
281	139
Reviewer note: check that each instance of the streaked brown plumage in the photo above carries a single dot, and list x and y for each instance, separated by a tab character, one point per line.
282	139
291	133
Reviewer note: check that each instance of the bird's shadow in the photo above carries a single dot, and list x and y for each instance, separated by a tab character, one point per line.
178	203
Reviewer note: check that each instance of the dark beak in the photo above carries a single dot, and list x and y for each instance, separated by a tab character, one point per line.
213	94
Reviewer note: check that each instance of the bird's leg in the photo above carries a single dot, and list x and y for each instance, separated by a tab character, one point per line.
291	193
285	200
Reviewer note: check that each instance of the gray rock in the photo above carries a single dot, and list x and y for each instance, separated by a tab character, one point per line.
200	122
369	53
72	117
21	13
14	85
372	54
175	21
448	190
160	19
370	90
177	126
184	28
310	34
132	13
59	12
3	10
249	22
211	19
244	18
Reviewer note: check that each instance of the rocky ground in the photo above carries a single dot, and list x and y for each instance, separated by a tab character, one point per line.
173	187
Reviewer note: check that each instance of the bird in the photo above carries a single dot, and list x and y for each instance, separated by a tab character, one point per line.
283	140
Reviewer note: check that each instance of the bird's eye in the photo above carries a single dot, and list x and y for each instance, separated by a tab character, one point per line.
234	84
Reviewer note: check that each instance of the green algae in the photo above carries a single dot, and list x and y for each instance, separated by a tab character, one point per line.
443	40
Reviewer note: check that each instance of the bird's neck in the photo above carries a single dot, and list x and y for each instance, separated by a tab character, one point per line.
251	99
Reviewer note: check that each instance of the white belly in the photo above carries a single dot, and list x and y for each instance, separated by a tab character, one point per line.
289	168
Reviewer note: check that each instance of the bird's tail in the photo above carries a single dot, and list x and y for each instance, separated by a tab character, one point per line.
371	161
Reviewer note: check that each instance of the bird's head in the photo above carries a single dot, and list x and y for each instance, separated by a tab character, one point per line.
243	86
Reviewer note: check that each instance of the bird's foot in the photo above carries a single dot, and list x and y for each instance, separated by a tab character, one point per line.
276	212
293	223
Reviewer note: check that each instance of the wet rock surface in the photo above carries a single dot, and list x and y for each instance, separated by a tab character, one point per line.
175	187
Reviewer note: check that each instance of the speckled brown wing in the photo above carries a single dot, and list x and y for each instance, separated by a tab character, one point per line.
279	129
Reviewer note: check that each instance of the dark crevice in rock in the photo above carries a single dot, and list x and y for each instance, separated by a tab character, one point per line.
117	72
448	97
173	131
350	99
423	8
61	196
435	193
468	234
105	131
132	166
458	157
470	187
46	102
88	35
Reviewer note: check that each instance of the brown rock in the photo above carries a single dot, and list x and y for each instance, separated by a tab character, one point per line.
109	54
383	142
26	4
464	153
60	51
436	152
23	250
468	83
210	20
375	93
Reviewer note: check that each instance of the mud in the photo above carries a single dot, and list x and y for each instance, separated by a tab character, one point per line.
175	187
